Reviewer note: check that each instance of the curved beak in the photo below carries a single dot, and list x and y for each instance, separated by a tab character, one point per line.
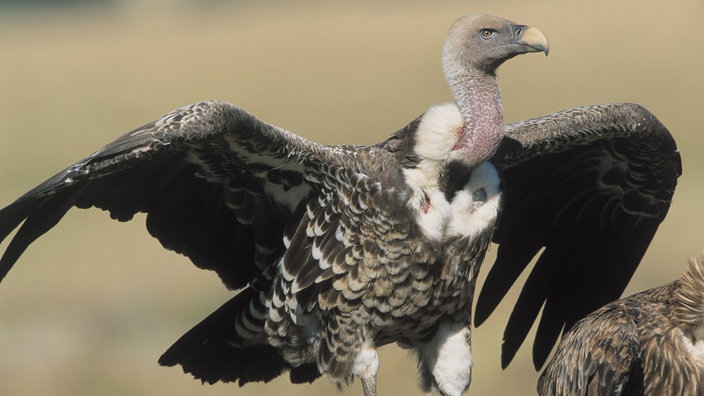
534	39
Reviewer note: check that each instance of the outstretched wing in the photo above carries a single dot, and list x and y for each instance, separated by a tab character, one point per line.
586	189
217	185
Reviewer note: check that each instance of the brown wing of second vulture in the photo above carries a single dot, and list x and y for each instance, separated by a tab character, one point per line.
650	343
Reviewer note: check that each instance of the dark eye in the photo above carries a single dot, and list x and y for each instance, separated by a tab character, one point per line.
486	33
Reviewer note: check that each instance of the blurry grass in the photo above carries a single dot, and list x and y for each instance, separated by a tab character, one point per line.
91	305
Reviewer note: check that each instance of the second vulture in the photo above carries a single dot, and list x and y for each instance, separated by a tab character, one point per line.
337	250
650	343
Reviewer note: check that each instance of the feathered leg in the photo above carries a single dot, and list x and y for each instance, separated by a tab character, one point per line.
446	361
366	365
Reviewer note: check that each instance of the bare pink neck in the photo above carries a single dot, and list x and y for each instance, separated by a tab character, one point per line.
479	101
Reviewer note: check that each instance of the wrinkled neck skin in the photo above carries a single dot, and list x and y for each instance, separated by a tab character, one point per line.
478	98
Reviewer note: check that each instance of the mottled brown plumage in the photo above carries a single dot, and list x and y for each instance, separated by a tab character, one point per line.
651	343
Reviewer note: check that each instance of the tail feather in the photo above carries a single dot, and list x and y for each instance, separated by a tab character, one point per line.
207	352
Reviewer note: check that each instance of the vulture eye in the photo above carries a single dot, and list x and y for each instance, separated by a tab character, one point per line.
486	33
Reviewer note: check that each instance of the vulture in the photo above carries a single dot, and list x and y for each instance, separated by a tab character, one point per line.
650	343
336	250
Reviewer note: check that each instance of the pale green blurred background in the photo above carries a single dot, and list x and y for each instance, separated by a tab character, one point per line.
91	306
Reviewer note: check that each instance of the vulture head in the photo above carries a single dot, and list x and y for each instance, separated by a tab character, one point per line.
475	47
454	139
483	42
